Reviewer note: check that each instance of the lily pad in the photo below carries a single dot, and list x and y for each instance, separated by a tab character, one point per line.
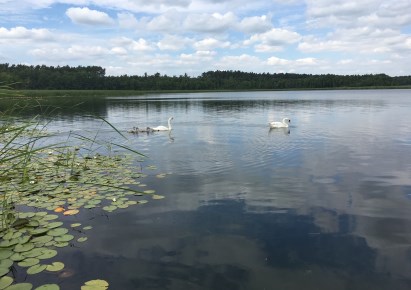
6	263
48	287
36	269
156	196
75	225
64	238
57	232
39	231
82	239
5	282
54	225
29	262
23	248
71	212
4	271
47	254
55	267
20	286
8	243
17	257
50	217
5	253
87	228
95	285
61	244
42	239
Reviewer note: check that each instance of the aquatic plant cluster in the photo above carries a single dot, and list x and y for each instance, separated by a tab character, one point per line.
42	186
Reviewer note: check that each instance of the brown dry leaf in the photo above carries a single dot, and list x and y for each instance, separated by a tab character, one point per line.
59	209
71	212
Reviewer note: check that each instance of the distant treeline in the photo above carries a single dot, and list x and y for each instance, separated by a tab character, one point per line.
94	78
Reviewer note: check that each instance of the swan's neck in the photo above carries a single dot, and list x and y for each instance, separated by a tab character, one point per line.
169	124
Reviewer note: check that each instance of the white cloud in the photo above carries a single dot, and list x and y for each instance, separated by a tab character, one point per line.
216	22
210	43
255	24
142	45
274	40
174	43
87	16
127	20
24	34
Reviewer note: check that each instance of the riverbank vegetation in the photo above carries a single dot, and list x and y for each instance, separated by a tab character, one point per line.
45	181
43	77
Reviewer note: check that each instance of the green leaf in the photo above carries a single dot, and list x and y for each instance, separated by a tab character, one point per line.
36	269
29	262
23	248
47	254
57	232
6	263
54	225
20	286
48	287
4	271
5	282
64	238
5	253
55	266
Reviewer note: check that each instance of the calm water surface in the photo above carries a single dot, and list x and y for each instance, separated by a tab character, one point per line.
323	205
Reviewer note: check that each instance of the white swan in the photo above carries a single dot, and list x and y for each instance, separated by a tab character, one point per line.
282	124
164	128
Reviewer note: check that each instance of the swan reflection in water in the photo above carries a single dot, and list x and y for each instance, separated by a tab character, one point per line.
283	130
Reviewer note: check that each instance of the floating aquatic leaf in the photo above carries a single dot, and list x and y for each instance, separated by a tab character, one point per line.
28	262
82	239
5	282
20	286
48	287
42	239
23	248
51	217
55	266
57	232
54	225
110	208
20	222
8	243
61	244
161	175
47	254
149	191
87	228
17	257
64	238
59	209
36	269
95	285
71	212
34	253
6	263
156	196
75	225
39	231
4	271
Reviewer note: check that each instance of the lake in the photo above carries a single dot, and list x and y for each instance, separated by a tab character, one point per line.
324	204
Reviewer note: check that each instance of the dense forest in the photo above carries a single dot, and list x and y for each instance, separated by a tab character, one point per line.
94	78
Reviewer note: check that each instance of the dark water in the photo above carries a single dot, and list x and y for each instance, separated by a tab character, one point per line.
323	205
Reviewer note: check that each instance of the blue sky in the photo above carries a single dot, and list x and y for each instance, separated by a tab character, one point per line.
194	36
